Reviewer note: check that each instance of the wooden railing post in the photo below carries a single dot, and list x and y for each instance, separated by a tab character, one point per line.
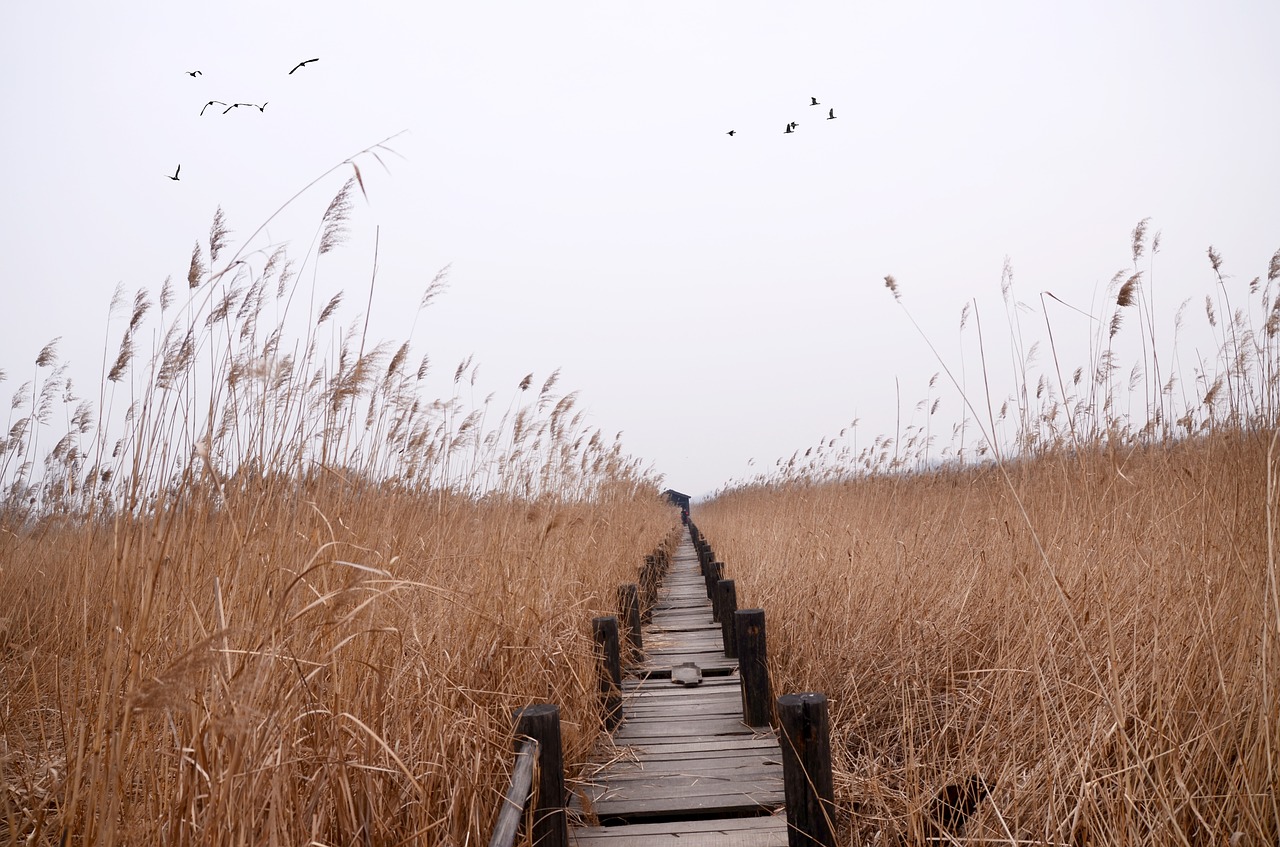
727	603
648	586
715	573
604	631
550	824
753	667
806	769
629	606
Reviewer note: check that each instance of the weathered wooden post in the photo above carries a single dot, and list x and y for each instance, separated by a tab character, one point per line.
542	723
629	605
753	666
727	603
715	573
604	631
806	769
704	554
648	586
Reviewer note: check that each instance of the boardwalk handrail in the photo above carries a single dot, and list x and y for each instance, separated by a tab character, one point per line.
517	796
539	753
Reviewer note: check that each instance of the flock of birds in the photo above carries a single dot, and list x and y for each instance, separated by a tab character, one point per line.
791	126
261	107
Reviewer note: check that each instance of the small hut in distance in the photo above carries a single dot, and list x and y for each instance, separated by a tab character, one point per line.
679	500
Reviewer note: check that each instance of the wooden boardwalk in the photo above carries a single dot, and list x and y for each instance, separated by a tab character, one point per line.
682	768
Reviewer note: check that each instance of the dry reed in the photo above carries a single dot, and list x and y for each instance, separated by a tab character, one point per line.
267	592
1087	618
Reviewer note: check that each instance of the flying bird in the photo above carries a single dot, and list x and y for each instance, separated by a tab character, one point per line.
831	114
302	64
731	132
210	103
192	74
793	125
175	174
815	101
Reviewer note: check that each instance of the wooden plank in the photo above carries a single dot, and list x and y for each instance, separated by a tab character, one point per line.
701	739
656	708
662	685
679	717
705	745
690	729
703	655
724	686
715	662
673	795
661	689
667	693
684	802
663	759
653	725
639	714
669	795
730	779
686	635
727	756
757	831
702	640
660	704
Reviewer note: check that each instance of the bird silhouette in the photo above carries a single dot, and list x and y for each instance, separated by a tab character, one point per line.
793	125
815	101
788	129
261	108
210	103
175	174
831	114
229	108
731	132
301	64
192	74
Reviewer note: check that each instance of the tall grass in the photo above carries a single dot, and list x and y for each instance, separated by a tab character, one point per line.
263	589
1085	613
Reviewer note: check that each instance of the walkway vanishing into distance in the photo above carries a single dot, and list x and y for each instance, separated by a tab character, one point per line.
683	767
692	757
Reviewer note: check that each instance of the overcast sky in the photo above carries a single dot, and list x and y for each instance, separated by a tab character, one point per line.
719	299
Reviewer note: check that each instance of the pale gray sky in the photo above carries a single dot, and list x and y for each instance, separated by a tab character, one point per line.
719	299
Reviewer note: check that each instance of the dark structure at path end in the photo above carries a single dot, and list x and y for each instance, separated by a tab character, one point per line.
679	500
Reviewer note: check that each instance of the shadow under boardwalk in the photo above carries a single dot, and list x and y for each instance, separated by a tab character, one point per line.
682	768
